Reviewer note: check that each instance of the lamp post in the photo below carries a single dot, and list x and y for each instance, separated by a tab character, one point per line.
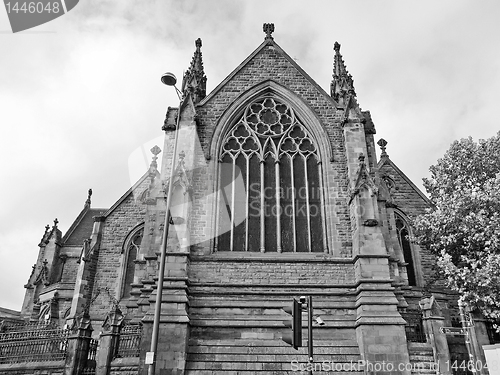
310	312
169	80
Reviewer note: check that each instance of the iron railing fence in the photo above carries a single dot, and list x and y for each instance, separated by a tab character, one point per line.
130	341
33	342
414	325
91	358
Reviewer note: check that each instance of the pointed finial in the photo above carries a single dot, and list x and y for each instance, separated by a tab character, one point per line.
194	81
88	201
45	234
56	222
155	151
180	163
342	85
268	29
382	143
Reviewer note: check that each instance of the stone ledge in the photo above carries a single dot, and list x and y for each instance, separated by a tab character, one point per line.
167	319
41	365
380	320
125	362
244	256
278	286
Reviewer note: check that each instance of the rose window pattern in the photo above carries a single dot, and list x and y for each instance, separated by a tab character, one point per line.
270	191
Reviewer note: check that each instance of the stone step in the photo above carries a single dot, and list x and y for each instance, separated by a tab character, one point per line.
252	321
269	362
266	371
269	349
193	341
422	360
254	356
421	357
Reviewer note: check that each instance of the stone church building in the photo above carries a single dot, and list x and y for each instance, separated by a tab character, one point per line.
276	193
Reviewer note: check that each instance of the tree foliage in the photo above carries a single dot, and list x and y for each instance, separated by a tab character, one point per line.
463	227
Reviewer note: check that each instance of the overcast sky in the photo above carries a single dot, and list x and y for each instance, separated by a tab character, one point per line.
80	96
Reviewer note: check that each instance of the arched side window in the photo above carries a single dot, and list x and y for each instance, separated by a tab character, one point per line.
403	233
274	157
130	253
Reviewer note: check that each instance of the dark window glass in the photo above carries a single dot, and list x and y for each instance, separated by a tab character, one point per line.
276	203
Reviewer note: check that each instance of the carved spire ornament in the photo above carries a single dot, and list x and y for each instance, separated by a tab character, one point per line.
268	29
155	151
195	80
88	201
342	86
383	143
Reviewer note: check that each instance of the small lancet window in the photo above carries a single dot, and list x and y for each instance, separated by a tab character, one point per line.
403	233
130	255
275	156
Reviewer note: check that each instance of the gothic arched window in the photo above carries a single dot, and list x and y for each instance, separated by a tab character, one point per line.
403	233
130	252
275	159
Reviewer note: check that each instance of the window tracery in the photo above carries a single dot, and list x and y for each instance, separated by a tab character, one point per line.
272	151
131	252
403	233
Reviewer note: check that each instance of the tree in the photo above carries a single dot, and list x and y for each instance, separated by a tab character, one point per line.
463	227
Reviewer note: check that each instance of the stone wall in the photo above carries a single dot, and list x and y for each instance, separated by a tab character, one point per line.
270	272
411	203
117	225
270	64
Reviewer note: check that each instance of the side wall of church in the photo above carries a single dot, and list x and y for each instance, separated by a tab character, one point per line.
412	205
117	225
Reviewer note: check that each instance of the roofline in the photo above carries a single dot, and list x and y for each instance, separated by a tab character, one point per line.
75	224
10	311
403	175
127	193
250	57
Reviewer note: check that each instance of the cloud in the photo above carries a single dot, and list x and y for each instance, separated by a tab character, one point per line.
76	102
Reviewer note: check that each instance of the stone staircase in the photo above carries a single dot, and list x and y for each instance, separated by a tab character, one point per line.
231	335
422	359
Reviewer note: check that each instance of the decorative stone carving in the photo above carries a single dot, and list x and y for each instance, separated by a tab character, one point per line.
363	180
113	319
43	275
370	223
268	29
195	81
81	323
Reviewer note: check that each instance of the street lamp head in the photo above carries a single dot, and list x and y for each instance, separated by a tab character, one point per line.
169	79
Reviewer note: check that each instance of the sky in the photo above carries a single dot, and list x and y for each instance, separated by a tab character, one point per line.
81	101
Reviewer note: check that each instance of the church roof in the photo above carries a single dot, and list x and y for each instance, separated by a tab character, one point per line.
267	43
386	161
81	229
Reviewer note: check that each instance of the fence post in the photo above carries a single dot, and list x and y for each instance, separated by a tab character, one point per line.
433	321
108	340
78	345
